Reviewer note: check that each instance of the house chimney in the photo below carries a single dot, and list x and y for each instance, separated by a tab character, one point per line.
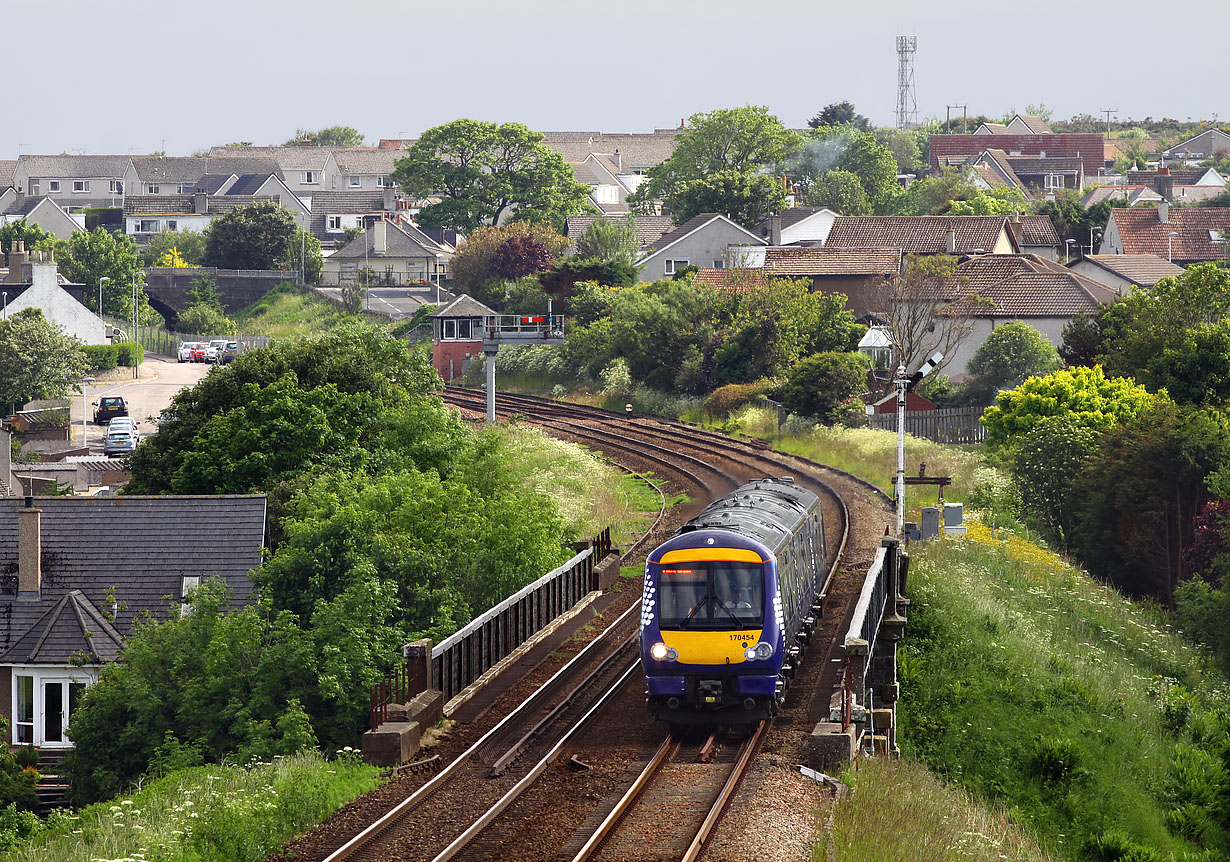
199	204
1165	184
29	551
379	237
17	262
619	160
1163	211
775	230
950	240
390	202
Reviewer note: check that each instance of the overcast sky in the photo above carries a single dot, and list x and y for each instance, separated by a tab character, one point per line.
102	76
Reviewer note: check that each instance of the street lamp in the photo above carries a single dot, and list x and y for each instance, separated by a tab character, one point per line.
84	412
100	281
1170	245
1067	251
136	366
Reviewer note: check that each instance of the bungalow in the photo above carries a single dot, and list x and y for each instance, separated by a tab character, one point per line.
1126	272
1206	145
1180	235
703	241
41	211
926	235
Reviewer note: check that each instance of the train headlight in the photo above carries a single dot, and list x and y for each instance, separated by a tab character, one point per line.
661	652
759	652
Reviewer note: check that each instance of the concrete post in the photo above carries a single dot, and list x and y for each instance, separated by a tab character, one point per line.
490	386
418	665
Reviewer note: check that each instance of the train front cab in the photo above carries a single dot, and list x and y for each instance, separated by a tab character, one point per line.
712	635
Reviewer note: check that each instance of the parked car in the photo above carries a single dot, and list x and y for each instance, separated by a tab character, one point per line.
108	407
119	442
197	353
211	352
125	423
185	351
228	352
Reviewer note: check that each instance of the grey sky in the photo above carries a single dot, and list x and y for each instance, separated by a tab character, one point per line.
115	77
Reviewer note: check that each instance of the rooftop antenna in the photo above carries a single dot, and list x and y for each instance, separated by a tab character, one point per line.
907	102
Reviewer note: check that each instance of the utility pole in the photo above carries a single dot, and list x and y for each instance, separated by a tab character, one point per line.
1108	112
947	127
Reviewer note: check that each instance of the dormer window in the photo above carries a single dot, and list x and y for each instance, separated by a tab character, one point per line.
190	583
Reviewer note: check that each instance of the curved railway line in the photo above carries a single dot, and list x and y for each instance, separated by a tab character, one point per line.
575	768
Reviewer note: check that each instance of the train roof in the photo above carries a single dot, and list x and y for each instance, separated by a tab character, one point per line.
765	510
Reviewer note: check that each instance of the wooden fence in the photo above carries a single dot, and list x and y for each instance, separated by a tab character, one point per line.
946	425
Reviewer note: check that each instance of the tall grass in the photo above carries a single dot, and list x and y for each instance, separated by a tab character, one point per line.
288	311
899	811
206	814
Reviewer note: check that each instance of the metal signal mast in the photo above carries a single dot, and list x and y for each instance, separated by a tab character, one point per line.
907	104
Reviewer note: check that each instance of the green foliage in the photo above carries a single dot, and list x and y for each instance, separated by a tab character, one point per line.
728	139
840	114
826	385
1001	201
935	195
840	191
87	257
475	263
189	244
561	279
874	165
262	236
1202	611
204	319
333	136
1197	369
100	357
1009	355
904	145
1087	395
204	291
37	360
746	198
1047	461
35	238
1073	220
1082	339
726	399
1056	759
481	170
610	241
129	353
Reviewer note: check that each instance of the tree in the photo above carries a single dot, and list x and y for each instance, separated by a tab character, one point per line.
875	167
474	263
1196	369
1072	219
840	191
189	245
935	195
560	280
482	171
1046	462
87	257
261	236
37	360
1082	339
746	198
729	139
1085	395
1010	354
840	114
903	144
1002	201
203	319
825	385
333	136
35	238
610	241
522	254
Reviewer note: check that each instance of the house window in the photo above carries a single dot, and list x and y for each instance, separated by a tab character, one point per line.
117	187
384	182
34	187
53	186
356	181
151	189
719	264
186	188
172	224
673	266
190	583
1054	181
147	225
450	329
43	702
333	223
464	329
23	725
81	186
309	178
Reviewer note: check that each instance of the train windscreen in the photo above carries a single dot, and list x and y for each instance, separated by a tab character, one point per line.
710	595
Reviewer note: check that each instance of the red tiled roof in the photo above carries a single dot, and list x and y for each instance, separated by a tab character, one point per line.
1143	270
1035	230
917	234
737	280
1091	149
1142	232
1025	285
815	260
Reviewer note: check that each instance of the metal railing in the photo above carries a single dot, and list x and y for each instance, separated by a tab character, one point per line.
166	342
946	425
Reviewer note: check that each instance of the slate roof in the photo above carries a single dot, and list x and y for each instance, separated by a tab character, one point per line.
287	158
649	228
366	160
71	629
1025	285
1143	270
1031	165
1034	230
917	234
1181	177
399	243
161	169
142	547
823	261
636	150
325	204
135	205
247	184
210	183
65	166
1142	232
7	166
464	306
1003	167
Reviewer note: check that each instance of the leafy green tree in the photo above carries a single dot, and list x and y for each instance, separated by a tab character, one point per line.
37	359
935	195
1001	201
840	114
1086	395
262	236
474	264
189	244
1072	219
1195	370
481	171
1046	463
86	257
728	139
610	241
1010	354
1082	339
561	279
204	319
333	136
826	385
35	238
204	291
840	191
747	199
922	315
903	144
874	165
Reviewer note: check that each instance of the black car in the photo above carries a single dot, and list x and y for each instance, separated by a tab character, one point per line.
108	407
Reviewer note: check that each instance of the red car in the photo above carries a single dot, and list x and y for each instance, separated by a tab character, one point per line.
198	352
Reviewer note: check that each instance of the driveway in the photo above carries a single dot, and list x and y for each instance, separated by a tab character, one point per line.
161	378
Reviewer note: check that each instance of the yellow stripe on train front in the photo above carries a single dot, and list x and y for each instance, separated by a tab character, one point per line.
710	647
695	555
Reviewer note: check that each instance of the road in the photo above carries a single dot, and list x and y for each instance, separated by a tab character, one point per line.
161	378
394	302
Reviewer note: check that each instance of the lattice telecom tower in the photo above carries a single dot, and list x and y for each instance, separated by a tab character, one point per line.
907	104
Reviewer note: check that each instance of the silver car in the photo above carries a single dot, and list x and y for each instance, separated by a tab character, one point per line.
185	351
119	442
214	348
125	423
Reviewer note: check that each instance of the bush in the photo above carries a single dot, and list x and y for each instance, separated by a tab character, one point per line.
726	399
824	384
129	353
204	319
1055	759
101	357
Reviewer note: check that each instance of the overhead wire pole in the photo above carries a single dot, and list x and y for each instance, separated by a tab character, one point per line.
1108	112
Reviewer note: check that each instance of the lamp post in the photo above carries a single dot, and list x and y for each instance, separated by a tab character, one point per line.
136	367
100	281
84	412
1170	245
4	310
1067	250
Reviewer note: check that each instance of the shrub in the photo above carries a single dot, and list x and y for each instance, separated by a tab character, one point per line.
101	357
822	385
129	353
1055	759
726	399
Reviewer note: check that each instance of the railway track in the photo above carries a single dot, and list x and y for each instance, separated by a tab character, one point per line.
514	793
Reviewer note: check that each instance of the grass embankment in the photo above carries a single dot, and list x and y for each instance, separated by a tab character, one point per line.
204	814
288	311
